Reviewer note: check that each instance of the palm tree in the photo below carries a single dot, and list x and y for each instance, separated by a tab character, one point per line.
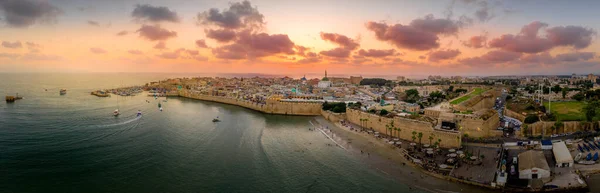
439	141
420	137
430	139
414	133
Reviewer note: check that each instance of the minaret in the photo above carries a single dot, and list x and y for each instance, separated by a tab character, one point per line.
325	73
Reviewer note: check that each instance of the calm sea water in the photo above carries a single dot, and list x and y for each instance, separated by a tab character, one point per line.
72	143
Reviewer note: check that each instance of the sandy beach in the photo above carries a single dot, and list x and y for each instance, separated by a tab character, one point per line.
388	160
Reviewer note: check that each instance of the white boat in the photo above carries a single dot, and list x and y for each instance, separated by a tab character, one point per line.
578	157
116	112
139	113
160	108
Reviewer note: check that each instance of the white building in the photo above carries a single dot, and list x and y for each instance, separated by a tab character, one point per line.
324	83
562	155
533	165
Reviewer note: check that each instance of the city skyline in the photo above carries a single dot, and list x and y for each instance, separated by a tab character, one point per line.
462	37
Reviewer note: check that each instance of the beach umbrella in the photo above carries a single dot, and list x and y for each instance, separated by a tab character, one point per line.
473	157
398	142
429	149
452	150
391	142
413	144
426	145
459	152
430	152
443	166
396	139
452	155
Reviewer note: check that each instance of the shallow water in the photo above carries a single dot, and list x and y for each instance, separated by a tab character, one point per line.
72	143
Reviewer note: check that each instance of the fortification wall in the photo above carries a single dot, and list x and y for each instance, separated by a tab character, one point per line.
271	107
477	127
333	117
407	126
513	114
545	128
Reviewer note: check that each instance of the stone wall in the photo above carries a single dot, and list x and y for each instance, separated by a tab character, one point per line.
545	128
477	127
513	114
371	121
483	101
333	117
271	106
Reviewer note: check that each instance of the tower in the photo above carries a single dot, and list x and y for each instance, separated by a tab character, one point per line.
325	73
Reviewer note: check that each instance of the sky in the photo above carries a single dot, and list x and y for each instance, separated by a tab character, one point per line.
354	37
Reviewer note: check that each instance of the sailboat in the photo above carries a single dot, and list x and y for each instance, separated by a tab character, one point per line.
116	112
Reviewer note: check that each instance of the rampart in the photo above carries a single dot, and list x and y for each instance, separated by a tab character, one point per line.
271	106
449	139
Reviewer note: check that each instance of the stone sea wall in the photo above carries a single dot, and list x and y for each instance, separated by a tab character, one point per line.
271	106
407	126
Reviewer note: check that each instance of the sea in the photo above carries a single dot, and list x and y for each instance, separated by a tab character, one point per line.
73	143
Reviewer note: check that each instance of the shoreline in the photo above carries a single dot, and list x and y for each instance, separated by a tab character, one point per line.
382	151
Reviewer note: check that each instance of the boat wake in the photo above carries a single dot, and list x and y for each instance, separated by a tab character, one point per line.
121	123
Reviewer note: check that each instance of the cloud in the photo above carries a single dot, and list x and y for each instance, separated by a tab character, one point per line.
41	57
255	45
309	58
201	43
94	23
239	15
443	55
12	45
437	26
483	13
222	36
151	13
97	50
169	55
528	41
337	52
576	36
135	52
376	53
541	58
492	57
24	13
155	33
122	33
476	42
301	50
9	55
346	45
575	56
182	53
160	45
340	40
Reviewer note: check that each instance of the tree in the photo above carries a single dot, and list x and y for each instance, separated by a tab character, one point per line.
591	110
556	89
414	136
579	96
451	88
558	125
531	119
439	142
564	92
383	112
430	139
412	95
398	130
420	135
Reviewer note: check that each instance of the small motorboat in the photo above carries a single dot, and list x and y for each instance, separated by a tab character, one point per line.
592	146
116	113
588	157
139	113
578	157
586	147
160	109
216	120
63	91
595	157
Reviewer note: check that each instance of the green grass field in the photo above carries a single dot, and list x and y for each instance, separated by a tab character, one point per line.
567	111
477	91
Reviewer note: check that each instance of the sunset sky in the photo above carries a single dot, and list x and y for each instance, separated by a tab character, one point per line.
437	37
